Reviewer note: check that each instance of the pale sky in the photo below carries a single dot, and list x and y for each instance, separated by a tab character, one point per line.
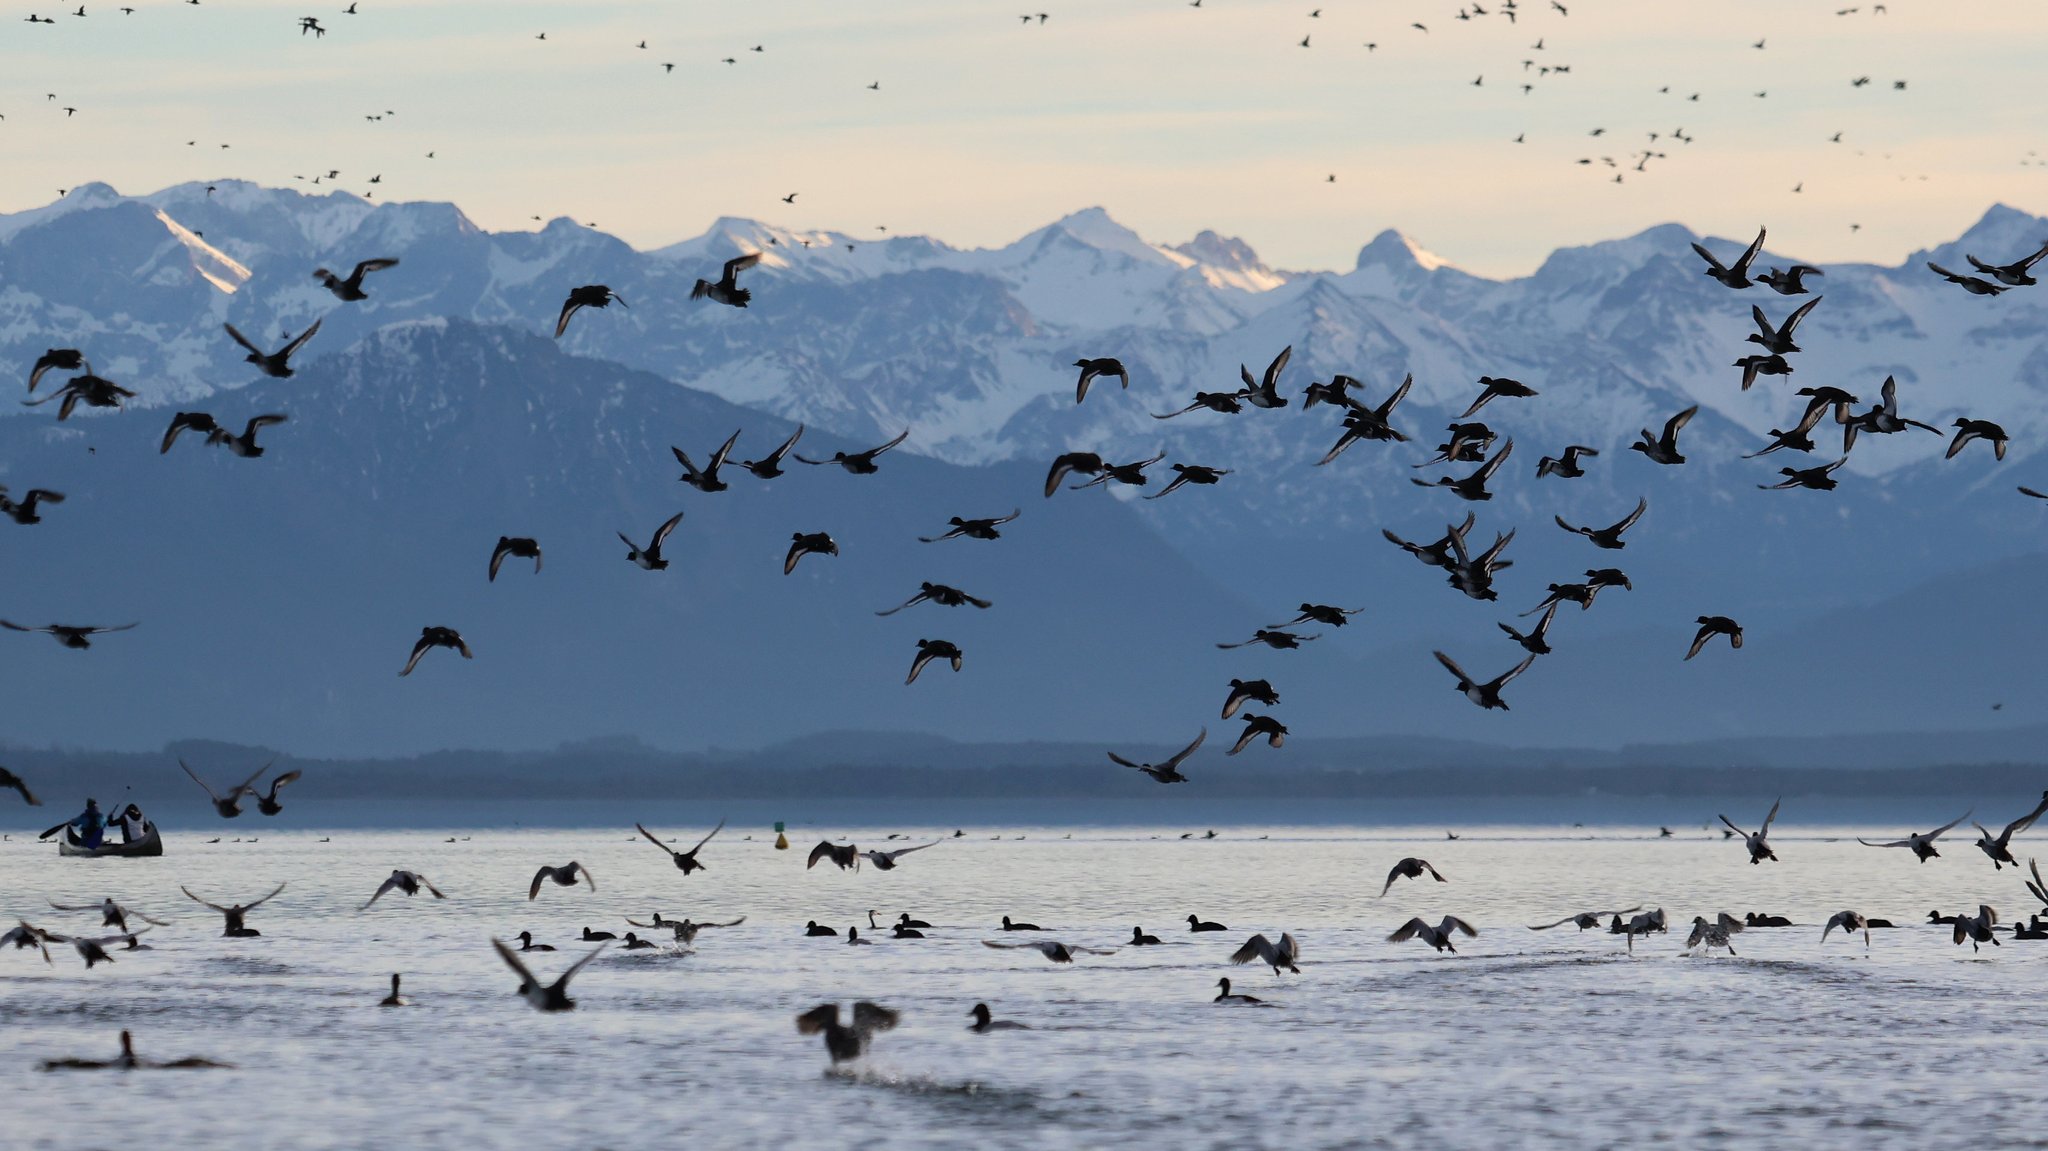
1172	117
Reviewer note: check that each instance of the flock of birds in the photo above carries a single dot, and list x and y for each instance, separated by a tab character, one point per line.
849	1038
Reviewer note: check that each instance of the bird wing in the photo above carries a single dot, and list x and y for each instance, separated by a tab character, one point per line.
787	444
725	449
588	878
368	266
1273	370
662	533
534	891
822	851
873	452
196	899
1731	823
1491	466
1414	927
1749	253
430	887
1168	415
1893	843
300	342
266	899
512	960
1642	505
382	888
563	980
242	340
419	649
1257	947
2025	821
1122	762
181	763
1713	263
1453	923
498	555
1189	750
738	264
656	842
817	1019
1792	321
1514	671
1672	425
707	838
247	786
1937	832
1392	875
1561	523
901	852
1452	665
1699	640
870	1017
1772	817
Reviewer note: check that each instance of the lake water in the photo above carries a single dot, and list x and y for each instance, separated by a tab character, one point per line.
1524	1039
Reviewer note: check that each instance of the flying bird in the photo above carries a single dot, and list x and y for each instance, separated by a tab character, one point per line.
1608	537
1265	391
1999	847
1819	478
57	359
1759	845
563	876
886	860
1102	366
587	296
1495	387
845	857
843	1042
1255	726
727	289
1566	466
1410	868
553	997
432	637
275	364
1438	937
407	882
685	861
236	916
770	466
73	636
1472	487
1920	843
1711	626
1243	691
1968	429
974	529
650	558
939	594
1486	695
705	479
90	390
858	463
351	289
1168	769
9	780
803	544
1971	284
929	650
1734	275
1663	449
228	806
519	546
24	511
1275	955
2017	274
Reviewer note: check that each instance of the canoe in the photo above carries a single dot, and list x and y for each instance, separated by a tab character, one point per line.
151	844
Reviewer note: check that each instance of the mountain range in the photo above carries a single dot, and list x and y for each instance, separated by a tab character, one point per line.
280	595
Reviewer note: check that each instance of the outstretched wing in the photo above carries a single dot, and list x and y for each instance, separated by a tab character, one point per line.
707	838
1189	750
242	340
196	899
738	264
658	843
511	959
300	342
266	899
1452	666
662	533
181	762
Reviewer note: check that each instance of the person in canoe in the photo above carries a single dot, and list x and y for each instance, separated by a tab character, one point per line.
134	828
91	824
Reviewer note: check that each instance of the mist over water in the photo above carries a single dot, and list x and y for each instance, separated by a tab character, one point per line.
1552	1039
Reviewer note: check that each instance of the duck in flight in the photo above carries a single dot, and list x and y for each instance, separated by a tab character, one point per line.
1275	955
1222	403
929	650
1850	922
1265	391
112	914
705	479
685	861
886	860
274	364
236	917
727	289
1565	466
858	463
1321	613
1754	366
1734	275
407	882
1882	420
1778	340
1711	626
1437	554
1052	949
1977	928
803	544
770	466
845	856
1243	691
974	529
1167	770
1472	487
1920	843
1099	366
77	637
1086	463
553	997
57	359
432	637
2017	274
1999	847
939	594
1968	430
1495	387
1663	448
1486	695
587	296
9	780
1586	919
1439	936
1759	845
1255	726
1820	479
1410	868
90	390
1791	281
350	289
1537	641
1189	474
1274	638
1974	285
563	876
520	546
1131	474
267	802
230	805
1608	537
650	558
846	1042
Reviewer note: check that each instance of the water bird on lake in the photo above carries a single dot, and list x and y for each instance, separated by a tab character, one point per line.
236	916
1223	994
128	1061
1274	955
394	999
1010	925
984	1021
1410	868
844	1042
553	997
814	929
1197	923
563	876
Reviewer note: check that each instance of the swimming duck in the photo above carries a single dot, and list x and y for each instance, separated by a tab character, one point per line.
929	650
904	920
1663	448
842	1042
769	466
229	806
1493	388
127	1061
1223	995
1196	923
409	882
1008	925
587	296
858	463
520	546
1168	770
526	943
57	359
1189	474
1100	366
563	876
394	999
2035	928
635	943
727	290
985	1022
974	529
685	861
853	938
555	996
1565	466
1472	487
705	479
1922	844
274	364
1276	956
902	931
351	289
1757	919
1410	868
1734	275
1140	939
237	927
814	929
1759	847
650	558
590	936
1265	392
1438	937
1999	847
1486	695
432	637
